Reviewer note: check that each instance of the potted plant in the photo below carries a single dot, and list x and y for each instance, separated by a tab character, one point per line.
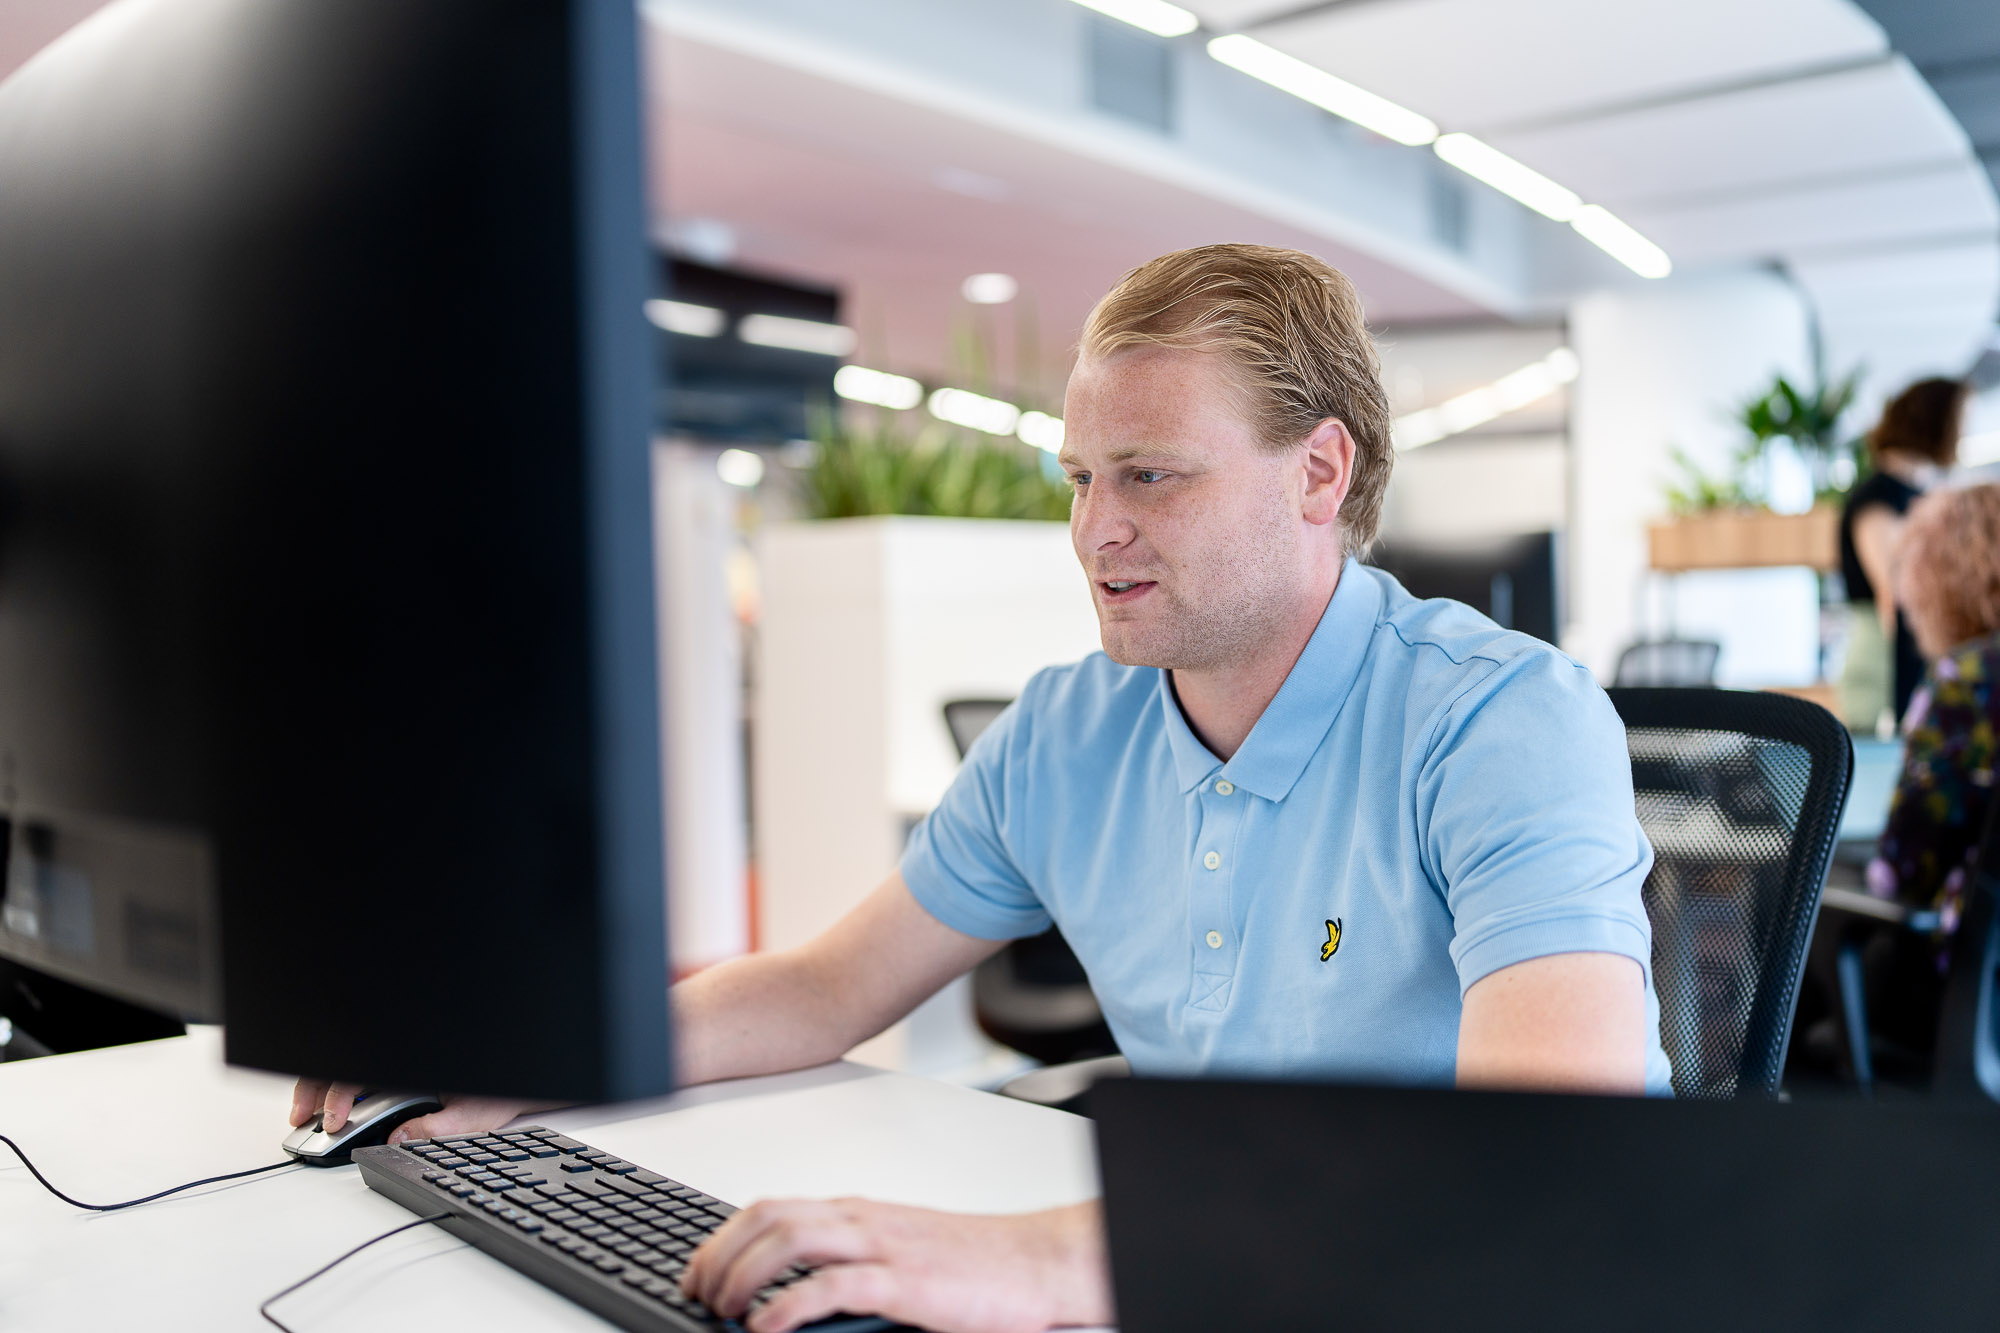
1725	522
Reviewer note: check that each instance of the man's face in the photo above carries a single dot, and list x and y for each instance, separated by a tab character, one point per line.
1188	527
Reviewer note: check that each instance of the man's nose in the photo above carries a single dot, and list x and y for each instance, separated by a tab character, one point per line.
1098	523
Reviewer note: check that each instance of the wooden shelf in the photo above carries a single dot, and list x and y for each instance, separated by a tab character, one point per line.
1747	539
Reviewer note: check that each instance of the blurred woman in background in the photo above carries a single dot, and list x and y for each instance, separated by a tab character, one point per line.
1947	581
1909	450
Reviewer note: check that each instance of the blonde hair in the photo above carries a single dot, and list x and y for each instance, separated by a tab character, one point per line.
1948	566
1290	326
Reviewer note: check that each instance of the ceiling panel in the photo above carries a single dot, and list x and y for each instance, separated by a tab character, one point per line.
1879	118
1943	277
1481	64
1232	15
1953	203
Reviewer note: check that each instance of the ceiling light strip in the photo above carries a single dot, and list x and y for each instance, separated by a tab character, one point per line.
1617	238
1510	393
1326	91
1476	158
1483	162
1155	16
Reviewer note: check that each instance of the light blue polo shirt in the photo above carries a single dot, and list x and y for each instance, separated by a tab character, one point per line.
1428	799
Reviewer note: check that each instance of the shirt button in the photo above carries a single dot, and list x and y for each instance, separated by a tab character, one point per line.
1213	860
1215	939
1224	787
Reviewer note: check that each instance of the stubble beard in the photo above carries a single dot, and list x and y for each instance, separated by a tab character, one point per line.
1228	628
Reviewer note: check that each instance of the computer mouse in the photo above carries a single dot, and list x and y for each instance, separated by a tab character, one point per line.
375	1115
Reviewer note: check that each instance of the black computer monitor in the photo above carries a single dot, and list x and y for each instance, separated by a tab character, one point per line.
327	647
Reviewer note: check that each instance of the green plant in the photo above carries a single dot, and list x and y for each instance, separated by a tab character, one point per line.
937	470
1695	491
1810	419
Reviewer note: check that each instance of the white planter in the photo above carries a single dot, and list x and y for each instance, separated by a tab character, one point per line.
868	627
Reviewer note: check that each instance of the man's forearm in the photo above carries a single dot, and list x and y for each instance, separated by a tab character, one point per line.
760	1014
805	1006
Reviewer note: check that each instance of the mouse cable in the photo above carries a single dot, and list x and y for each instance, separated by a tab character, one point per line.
265	1308
129	1203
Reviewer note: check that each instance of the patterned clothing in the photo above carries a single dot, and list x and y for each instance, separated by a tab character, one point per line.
1932	837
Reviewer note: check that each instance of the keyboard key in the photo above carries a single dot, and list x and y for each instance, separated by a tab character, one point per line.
541	1149
608	1263
451	1162
529	1224
575	1167
556	1238
595	1232
462	1190
512	1154
645	1177
569	1145
617	1166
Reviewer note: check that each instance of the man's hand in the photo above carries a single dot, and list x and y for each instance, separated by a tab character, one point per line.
461	1115
947	1272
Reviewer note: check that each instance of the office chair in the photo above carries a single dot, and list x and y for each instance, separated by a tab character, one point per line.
1741	795
1965	1058
1033	995
1667	662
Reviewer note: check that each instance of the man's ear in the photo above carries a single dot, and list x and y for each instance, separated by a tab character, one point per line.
1329	471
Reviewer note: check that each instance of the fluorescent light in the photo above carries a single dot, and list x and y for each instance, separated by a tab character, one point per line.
989	288
1322	89
1484	162
1616	238
1155	16
1509	393
1041	430
696	321
862	385
962	407
739	467
796	335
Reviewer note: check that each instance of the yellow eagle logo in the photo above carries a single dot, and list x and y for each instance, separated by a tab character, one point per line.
1332	945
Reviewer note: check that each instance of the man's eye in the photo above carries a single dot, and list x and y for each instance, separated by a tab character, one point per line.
1079	479
1147	476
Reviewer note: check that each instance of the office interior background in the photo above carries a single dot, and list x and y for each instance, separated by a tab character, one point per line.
1590	238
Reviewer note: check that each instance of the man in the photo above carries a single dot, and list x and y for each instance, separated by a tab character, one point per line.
1293	822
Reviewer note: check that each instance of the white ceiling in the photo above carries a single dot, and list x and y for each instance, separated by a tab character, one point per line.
1860	122
1480	64
1728	131
834	183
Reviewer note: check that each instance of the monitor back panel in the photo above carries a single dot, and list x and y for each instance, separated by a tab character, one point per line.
326	608
1320	1207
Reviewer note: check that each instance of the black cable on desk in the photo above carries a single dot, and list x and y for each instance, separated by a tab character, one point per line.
265	1308
113	1207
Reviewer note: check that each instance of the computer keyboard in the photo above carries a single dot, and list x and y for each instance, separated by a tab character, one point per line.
604	1232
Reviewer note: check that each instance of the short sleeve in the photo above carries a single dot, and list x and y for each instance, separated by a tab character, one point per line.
959	864
1529	823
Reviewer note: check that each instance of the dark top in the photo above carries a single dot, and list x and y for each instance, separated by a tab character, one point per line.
1895	495
1932	834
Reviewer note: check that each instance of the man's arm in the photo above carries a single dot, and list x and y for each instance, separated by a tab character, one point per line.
1573	1022
760	1014
769	1012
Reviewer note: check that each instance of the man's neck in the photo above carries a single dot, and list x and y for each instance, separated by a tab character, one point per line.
1222	705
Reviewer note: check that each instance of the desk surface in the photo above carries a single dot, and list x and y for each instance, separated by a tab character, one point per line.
109	1125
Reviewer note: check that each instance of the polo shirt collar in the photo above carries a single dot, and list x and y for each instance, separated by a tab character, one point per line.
1293	724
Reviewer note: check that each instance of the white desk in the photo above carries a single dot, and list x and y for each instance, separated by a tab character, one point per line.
110	1125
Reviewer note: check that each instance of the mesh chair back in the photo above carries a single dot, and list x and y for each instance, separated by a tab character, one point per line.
1740	795
966	718
1668	662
